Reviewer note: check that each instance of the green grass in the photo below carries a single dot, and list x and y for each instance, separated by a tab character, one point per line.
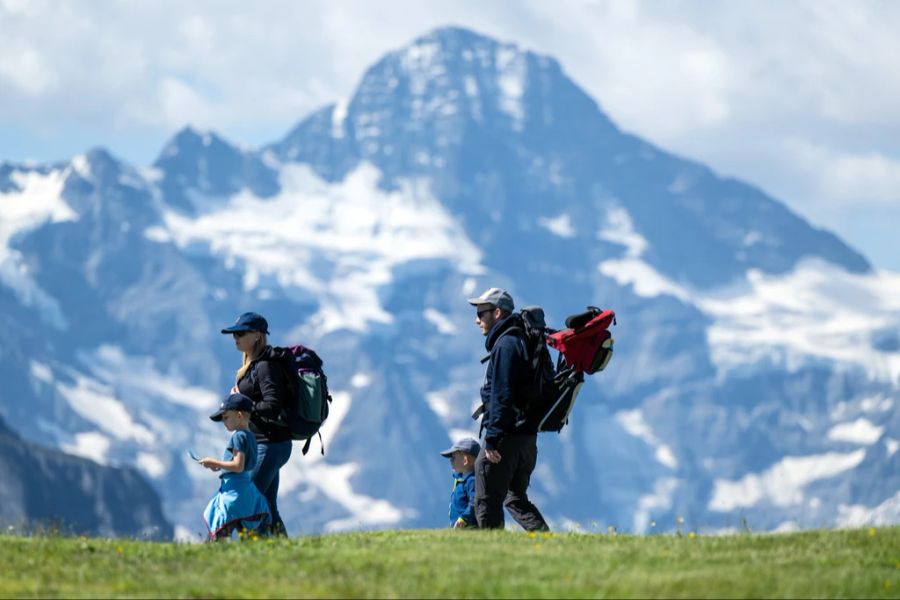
861	563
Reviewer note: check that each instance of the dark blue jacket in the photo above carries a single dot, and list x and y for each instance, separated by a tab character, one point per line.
506	376
462	499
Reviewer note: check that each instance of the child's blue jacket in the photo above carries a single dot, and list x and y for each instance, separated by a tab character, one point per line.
462	499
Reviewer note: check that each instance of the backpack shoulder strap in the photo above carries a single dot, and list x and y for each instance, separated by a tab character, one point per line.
513	329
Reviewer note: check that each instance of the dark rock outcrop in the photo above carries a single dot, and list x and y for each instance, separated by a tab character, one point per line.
46	489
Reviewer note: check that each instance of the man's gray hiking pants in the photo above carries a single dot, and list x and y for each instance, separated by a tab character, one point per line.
505	484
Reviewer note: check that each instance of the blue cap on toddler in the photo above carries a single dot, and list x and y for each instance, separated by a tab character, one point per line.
467	445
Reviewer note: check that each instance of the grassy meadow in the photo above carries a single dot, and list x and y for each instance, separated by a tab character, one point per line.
862	563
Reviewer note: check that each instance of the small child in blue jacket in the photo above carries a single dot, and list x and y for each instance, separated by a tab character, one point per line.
462	499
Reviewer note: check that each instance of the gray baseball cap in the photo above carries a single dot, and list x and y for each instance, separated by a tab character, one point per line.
467	445
496	296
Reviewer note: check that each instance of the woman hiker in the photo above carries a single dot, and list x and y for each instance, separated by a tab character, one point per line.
265	382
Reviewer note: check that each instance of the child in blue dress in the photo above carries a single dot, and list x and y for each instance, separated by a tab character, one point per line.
238	505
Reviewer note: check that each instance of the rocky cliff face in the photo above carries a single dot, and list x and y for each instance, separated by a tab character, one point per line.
47	490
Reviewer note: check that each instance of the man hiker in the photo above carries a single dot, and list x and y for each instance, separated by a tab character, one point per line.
508	456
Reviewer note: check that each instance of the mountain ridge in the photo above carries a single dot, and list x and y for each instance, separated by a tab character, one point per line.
45	489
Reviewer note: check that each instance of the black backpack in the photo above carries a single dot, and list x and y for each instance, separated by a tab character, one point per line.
309	405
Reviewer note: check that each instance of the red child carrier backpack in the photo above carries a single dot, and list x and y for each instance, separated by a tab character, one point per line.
585	347
588	344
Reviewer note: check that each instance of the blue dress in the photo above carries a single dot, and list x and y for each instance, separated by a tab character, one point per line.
238	501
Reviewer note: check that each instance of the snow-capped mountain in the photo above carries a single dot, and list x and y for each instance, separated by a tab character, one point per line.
757	358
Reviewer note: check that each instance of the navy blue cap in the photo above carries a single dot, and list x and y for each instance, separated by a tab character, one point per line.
467	445
249	321
233	402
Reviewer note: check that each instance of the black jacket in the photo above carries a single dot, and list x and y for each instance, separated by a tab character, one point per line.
266	383
507	375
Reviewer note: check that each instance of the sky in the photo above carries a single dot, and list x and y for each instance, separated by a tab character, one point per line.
800	98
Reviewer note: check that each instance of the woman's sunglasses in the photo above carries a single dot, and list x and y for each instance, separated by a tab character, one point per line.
239	334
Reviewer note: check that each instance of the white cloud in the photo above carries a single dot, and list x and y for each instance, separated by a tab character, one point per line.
15	7
644	68
840	177
180	103
857	515
199	35
860	431
25	69
560	225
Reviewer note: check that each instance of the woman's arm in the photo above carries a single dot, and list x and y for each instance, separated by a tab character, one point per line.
273	387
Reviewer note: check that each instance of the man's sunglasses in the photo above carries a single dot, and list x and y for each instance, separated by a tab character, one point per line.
481	312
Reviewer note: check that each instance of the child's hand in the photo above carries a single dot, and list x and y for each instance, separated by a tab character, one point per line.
209	463
460	524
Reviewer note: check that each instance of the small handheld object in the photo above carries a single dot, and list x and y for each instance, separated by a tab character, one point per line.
193	456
